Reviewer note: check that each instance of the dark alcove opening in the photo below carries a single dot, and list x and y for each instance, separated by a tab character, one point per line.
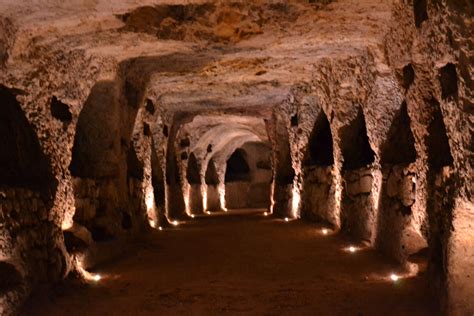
356	148
399	147
320	145
22	162
192	173
237	167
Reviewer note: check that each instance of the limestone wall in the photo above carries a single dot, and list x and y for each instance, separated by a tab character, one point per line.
319	198
29	251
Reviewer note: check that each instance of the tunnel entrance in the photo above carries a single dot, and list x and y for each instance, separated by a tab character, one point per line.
237	167
318	196
248	177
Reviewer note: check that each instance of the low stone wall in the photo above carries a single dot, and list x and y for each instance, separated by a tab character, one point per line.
103	212
360	202
318	194
236	195
213	203
240	195
259	195
396	238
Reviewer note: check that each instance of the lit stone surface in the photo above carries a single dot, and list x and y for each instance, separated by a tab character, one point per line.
120	115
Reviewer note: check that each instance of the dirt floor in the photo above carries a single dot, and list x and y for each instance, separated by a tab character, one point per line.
241	265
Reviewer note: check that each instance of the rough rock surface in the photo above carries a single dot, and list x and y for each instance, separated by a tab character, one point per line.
114	97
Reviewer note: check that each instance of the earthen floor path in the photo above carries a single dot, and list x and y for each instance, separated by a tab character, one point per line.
241	265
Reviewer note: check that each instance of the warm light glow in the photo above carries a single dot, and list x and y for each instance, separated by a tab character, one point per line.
287	219
68	220
67	224
325	231
86	274
150	207
352	249
204	198
150	201
192	216
222	198
272	200
187	193
160	228
265	214
295	202
175	223
207	212
394	277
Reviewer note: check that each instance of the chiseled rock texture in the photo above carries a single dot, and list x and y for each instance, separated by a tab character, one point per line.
102	104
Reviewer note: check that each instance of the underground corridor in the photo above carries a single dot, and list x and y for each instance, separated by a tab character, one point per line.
269	157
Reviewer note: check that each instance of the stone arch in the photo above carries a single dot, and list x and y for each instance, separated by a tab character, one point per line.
358	212
237	179
356	150
399	146
106	167
398	156
318	194
319	151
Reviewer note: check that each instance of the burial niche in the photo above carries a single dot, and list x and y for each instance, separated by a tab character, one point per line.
237	167
395	237
358	214
22	162
237	180
318	188
356	148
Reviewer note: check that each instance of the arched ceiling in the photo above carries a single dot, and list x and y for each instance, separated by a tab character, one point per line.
216	131
198	55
